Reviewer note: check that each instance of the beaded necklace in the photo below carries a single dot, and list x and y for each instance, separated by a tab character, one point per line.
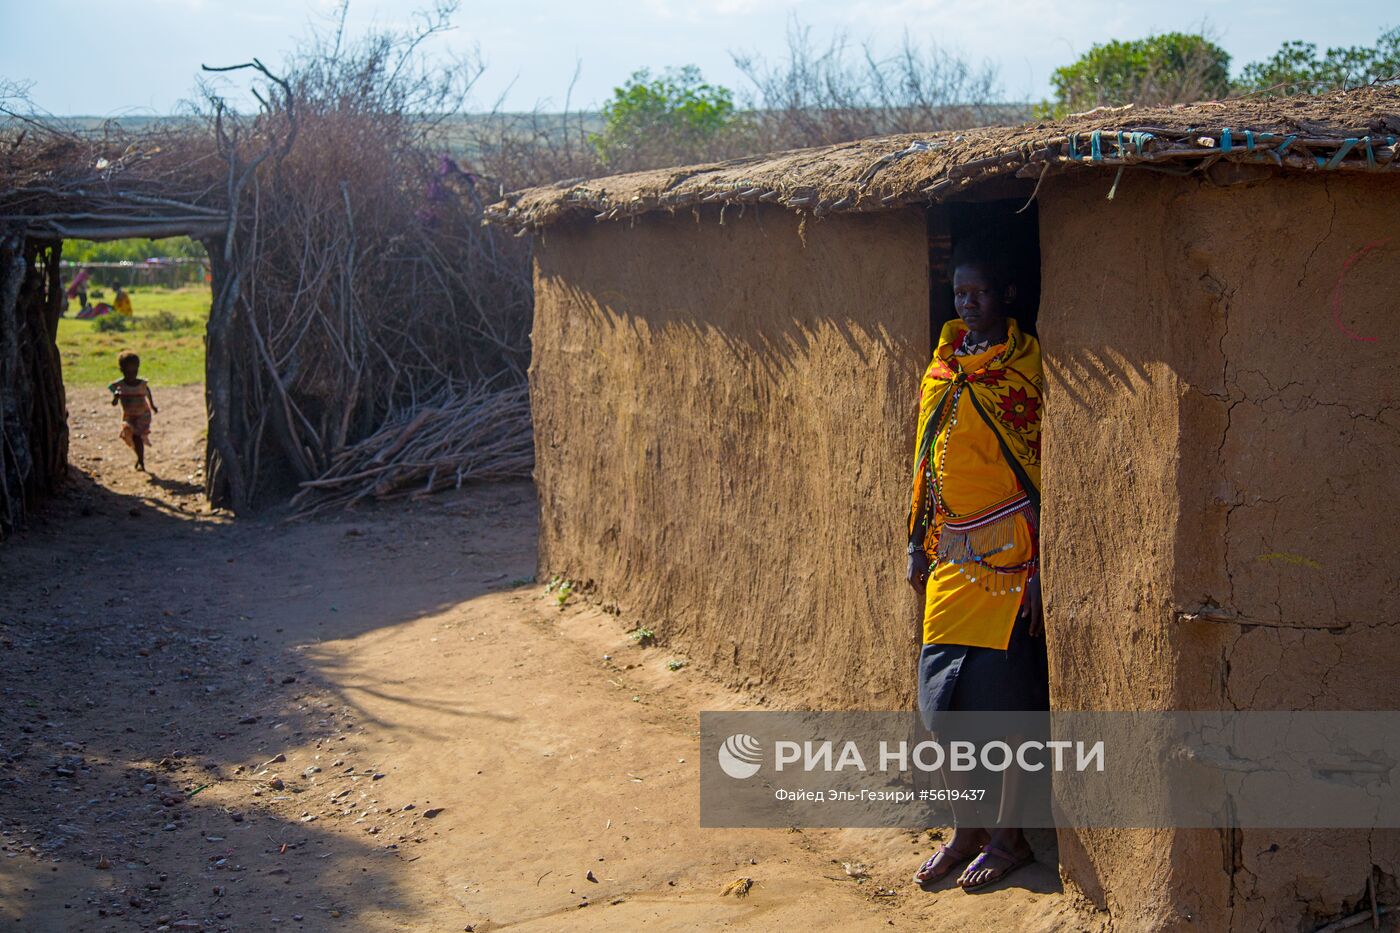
970	564
935	479
972	349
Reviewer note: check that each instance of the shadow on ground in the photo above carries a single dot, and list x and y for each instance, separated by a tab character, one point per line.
155	669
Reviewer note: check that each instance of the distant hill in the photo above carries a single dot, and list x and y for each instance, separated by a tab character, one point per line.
129	124
456	126
512	121
462	134
459	132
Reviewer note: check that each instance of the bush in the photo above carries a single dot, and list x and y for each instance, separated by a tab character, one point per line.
815	94
653	120
1170	68
164	320
819	94
134	250
1296	69
112	323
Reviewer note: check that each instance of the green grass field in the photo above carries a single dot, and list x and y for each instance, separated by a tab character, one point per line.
166	329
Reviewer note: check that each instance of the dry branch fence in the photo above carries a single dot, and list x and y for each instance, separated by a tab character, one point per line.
359	283
355	286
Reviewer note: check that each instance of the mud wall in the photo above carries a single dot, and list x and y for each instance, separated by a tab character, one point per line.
723	423
1221	500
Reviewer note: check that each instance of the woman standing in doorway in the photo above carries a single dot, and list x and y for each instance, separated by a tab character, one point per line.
974	551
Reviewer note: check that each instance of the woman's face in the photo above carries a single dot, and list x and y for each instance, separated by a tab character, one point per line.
980	301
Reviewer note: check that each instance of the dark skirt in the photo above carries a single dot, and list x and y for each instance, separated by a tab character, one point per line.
959	678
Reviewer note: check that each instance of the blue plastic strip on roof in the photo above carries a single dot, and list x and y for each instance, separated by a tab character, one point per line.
1252	142
1339	155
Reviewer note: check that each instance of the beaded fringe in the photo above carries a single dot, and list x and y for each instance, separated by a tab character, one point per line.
969	550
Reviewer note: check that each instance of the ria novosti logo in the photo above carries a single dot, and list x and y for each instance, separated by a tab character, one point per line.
740	756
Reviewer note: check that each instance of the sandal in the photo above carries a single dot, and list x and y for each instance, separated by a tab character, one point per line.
1013	862
951	860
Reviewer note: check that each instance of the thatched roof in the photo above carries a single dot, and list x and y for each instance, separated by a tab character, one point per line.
1345	131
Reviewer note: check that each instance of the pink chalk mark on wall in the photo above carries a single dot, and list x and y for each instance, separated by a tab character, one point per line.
1351	260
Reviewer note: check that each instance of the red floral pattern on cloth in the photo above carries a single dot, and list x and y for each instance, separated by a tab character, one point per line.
1019	409
1006	390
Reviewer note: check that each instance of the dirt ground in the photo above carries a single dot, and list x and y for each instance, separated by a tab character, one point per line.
375	722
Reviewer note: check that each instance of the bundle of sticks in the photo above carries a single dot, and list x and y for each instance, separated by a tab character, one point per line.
458	435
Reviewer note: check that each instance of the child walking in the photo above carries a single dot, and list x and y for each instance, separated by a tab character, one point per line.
137	403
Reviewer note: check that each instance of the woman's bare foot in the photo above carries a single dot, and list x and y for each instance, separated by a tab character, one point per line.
965	844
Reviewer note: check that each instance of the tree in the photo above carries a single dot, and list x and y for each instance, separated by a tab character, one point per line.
1296	69
1170	68
180	247
824	93
658	120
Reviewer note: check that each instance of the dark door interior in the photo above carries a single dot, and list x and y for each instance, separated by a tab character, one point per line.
1011	221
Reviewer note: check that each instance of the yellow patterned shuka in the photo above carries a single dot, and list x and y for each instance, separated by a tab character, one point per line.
976	487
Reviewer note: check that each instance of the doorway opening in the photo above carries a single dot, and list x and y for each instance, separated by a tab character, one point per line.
1007	217
1004	213
150	298
63	327
152	295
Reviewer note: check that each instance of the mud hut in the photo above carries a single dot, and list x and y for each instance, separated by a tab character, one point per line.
724	380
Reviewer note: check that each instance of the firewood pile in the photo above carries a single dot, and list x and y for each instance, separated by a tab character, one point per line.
457	436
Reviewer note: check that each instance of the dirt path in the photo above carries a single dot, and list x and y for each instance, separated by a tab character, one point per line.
372	722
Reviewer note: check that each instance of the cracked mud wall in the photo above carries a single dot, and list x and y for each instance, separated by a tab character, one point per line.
1221	500
723	426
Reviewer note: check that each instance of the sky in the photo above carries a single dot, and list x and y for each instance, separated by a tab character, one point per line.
140	57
